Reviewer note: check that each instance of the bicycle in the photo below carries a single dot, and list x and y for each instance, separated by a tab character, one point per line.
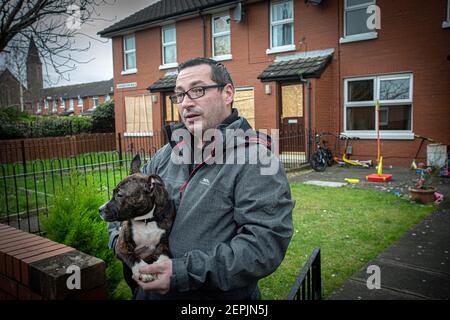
345	160
323	157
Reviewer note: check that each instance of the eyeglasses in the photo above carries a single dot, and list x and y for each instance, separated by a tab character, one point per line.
193	93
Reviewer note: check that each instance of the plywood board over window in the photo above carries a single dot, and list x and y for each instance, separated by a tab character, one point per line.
244	102
292	97
138	115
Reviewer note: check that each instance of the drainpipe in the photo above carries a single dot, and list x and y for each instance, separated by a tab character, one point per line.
308	86
203	32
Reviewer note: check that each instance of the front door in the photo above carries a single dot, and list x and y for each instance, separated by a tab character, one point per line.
292	125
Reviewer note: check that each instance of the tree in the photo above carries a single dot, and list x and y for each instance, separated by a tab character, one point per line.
53	24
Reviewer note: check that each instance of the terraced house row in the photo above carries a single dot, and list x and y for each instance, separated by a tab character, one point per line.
297	65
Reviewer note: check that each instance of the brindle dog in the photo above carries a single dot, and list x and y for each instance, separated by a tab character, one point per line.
143	206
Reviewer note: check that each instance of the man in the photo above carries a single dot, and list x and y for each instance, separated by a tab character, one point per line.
233	224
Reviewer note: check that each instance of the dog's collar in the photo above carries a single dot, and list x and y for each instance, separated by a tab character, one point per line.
148	217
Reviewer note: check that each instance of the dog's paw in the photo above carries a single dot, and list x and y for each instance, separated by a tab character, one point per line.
144	277
147	277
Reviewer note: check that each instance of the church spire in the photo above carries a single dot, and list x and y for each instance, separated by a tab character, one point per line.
33	53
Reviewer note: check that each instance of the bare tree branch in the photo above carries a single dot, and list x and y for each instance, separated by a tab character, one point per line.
53	24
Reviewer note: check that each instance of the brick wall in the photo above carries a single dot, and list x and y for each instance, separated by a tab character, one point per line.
35	268
411	39
55	147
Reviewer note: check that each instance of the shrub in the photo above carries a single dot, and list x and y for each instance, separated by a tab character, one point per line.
103	118
52	126
73	219
12	114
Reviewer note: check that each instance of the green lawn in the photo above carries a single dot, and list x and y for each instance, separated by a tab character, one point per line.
351	226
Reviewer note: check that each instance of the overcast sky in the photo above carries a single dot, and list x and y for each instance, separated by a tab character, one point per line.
101	68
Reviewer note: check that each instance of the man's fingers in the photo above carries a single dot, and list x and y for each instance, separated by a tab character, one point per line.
153	268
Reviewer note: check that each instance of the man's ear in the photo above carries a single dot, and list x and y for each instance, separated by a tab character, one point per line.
135	164
228	93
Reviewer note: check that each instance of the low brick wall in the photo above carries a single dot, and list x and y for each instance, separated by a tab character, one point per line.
36	268
55	147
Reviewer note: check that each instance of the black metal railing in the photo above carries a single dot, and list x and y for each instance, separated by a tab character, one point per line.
308	285
33	170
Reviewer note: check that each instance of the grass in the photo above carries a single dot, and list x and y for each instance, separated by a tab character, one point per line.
351	227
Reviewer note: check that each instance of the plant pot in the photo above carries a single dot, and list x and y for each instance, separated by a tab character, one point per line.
422	195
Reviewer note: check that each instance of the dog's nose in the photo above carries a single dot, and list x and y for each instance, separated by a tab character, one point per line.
100	209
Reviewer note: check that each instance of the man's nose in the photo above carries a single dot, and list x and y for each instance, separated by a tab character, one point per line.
187	102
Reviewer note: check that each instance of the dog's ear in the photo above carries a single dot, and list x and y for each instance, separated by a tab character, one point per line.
152	181
135	164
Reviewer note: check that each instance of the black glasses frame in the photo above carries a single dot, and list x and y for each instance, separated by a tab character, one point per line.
174	97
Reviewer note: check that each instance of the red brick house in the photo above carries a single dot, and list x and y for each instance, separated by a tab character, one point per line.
297	65
74	99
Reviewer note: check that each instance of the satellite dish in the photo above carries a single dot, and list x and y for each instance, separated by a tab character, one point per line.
237	15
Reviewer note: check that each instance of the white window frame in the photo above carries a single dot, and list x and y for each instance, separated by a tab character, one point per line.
361	36
80	101
127	52
222	57
446	23
107	97
55	106
167	44
384	134
45	104
94	100
283	48
62	103
71	104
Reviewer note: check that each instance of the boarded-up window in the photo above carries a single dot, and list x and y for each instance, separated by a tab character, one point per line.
244	102
138	114
171	112
292	97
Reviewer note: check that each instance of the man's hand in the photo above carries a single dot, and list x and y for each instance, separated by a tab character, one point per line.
163	271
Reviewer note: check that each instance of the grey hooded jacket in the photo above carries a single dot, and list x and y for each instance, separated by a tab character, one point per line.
233	223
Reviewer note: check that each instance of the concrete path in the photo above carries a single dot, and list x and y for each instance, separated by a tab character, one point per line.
417	266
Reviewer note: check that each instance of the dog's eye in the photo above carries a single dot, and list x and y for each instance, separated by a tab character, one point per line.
119	195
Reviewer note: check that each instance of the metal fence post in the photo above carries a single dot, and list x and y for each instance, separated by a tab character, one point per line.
120	147
24	159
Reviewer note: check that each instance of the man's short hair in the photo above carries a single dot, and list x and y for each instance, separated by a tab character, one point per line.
219	73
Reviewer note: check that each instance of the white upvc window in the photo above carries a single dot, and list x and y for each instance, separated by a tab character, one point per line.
281	26
46	104
355	21
221	37
129	54
446	23
394	93
107	97
80	101
55	106
169	45
61	103
71	104
94	102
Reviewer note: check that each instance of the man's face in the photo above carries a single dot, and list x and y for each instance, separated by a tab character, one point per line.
205	112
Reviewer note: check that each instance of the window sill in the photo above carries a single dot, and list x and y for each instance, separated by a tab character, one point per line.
168	66
129	71
446	24
389	135
290	47
138	134
359	37
223	57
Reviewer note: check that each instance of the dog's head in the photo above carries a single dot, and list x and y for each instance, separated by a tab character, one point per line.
135	196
